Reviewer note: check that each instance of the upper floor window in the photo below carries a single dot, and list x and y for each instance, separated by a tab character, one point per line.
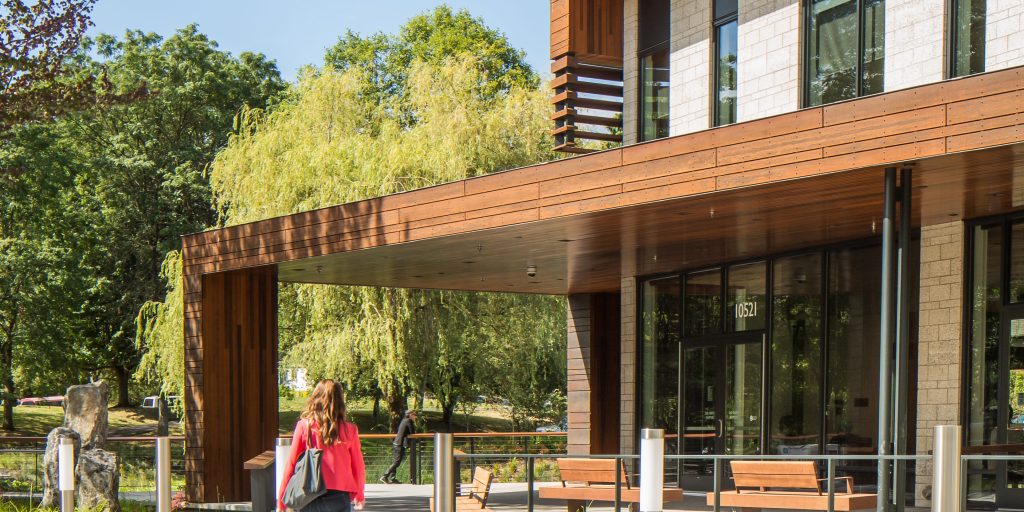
653	56
726	33
845	50
967	33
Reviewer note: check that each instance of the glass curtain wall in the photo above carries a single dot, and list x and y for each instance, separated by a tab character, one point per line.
654	69
726	42
845	49
968	37
661	314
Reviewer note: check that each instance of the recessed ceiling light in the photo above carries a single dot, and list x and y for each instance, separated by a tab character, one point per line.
469	262
566	240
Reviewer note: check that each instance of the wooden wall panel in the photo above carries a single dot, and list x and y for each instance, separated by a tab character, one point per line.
593	373
591	30
231	382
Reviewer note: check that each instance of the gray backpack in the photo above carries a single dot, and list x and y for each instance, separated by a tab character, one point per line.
307	482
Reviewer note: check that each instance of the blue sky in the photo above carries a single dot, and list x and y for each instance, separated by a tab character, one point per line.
296	33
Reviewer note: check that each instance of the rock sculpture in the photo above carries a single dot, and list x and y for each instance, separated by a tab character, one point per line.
97	472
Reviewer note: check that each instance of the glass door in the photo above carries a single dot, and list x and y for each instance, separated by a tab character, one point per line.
1010	416
721	403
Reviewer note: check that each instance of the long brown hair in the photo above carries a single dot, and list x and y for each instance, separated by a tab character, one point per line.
326	407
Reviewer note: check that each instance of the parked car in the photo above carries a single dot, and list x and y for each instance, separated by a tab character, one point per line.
561	426
42	400
151	406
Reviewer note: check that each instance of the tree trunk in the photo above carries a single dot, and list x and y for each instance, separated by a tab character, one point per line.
163	417
122	386
448	411
7	370
397	403
376	405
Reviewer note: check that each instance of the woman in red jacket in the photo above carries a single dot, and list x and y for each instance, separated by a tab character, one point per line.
342	461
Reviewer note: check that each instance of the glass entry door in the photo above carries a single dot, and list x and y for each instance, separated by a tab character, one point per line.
721	403
1010	416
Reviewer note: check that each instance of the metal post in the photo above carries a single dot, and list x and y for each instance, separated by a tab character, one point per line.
66	474
717	479
529	484
163	474
618	484
902	373
444	478
946	469
831	464
414	461
885	341
282	448
652	469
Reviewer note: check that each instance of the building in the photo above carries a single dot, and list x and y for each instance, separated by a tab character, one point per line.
815	202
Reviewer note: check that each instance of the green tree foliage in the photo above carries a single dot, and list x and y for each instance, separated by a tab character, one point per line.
146	174
437	114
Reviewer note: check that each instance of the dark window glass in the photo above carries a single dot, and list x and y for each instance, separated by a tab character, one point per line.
746	311
854	311
743	377
660	337
699	405
1016	292
703	303
653	23
725	73
983	353
725	8
796	354
968	32
654	85
835	71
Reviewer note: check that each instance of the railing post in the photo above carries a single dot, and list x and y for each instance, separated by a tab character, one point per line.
652	469
618	484
414	461
946	468
444	481
282	448
831	464
66	474
529	483
163	474
716	477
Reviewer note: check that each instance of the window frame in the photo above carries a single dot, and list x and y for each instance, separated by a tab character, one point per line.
716	25
952	36
806	10
641	110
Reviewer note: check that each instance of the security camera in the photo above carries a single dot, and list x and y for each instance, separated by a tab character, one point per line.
531	270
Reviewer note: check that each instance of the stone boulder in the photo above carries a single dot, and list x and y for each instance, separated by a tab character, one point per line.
51	475
85	412
98	478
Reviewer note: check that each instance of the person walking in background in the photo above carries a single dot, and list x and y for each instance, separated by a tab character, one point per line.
344	474
405	429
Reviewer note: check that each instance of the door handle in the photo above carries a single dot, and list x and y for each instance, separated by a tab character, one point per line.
720	428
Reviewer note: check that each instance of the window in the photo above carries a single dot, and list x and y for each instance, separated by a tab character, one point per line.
845	50
726	43
967	31
654	69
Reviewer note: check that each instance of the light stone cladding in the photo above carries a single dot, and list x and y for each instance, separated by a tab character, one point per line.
914	42
630	70
690	67
939	339
1004	34
768	64
627	390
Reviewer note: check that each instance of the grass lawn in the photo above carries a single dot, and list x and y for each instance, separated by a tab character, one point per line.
39	420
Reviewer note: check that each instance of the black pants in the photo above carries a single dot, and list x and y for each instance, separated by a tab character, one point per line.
397	456
333	501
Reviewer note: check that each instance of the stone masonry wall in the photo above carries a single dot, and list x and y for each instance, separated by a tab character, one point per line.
1004	34
630	70
769	57
915	33
939	339
690	67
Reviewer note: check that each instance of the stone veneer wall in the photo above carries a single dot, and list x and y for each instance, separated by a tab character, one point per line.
939	341
769	58
690	66
1004	34
915	32
627	389
630	70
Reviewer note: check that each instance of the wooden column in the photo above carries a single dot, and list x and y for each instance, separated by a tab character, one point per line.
230	379
593	373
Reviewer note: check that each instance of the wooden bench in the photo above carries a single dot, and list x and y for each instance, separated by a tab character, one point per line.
589	480
787	485
479	491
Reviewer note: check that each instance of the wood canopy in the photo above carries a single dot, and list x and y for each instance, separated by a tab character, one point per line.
796	180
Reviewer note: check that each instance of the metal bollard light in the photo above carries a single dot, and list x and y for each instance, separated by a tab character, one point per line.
282	448
946	468
652	469
163	474
66	474
444	474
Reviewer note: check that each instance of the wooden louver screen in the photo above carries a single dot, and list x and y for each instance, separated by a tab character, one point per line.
586	47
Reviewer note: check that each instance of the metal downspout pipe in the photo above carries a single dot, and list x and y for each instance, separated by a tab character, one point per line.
885	340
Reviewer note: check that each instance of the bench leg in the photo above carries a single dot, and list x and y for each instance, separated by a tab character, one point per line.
576	506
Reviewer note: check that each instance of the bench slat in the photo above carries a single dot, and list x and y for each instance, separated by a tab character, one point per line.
601	493
794	501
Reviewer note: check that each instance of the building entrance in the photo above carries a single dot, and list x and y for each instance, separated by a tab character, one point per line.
722	402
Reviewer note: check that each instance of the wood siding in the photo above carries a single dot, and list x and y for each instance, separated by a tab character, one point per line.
589	29
593	374
230	379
